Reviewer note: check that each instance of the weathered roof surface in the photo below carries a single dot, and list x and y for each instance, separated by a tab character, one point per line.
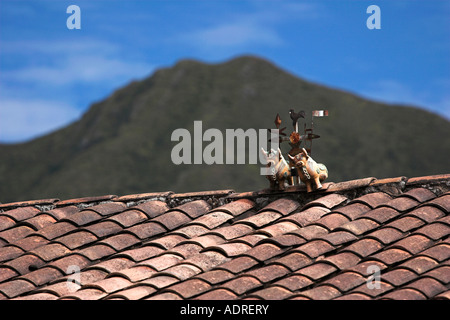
360	239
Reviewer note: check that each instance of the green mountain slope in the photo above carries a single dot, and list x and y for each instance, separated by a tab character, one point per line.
123	144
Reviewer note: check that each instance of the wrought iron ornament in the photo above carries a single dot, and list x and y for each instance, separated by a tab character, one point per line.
301	166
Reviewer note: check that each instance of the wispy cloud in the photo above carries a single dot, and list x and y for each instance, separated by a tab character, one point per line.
23	119
395	92
257	27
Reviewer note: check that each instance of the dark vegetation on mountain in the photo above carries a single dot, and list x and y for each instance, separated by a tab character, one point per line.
122	145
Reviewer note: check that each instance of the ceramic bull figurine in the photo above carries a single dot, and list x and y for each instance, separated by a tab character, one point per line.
308	170
279	169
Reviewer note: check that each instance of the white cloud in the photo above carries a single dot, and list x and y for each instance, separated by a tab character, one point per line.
23	119
259	27
85	68
395	92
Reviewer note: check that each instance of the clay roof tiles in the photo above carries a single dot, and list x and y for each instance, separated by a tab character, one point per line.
328	244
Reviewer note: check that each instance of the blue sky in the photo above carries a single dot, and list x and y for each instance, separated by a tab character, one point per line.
50	75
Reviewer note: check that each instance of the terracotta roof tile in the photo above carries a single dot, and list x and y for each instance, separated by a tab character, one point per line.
51	251
354	296
231	249
428	286
217	294
399	276
404	294
25	263
310	232
386	235
42	276
160	281
264	251
40	221
108	208
342	260
172	219
86	294
56	230
207	260
420	194
134	293
233	231
329	201
15	233
84	200
427	213
376	291
120	241
285	240
16	287
194	209
182	271
268	273
186	249
307	216
65	262
237	207
141	253
323	292
406	223
273	293
294	260
83	217
143	196
30	242
9	253
135	273
332	221
215	276
191	231
152	208
353	210
223	245
162	262
239	264
364	247
419	264
165	296
414	243
439	252
359	226
213	219
337	238
96	252
62	212
129	218
317	270
7	273
442	202
441	274
242	284
294	282
346	281
434	231
147	230
21	214
103	228
76	239
189	288
6	222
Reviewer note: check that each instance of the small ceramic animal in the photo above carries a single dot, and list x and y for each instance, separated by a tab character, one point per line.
308	170
279	169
